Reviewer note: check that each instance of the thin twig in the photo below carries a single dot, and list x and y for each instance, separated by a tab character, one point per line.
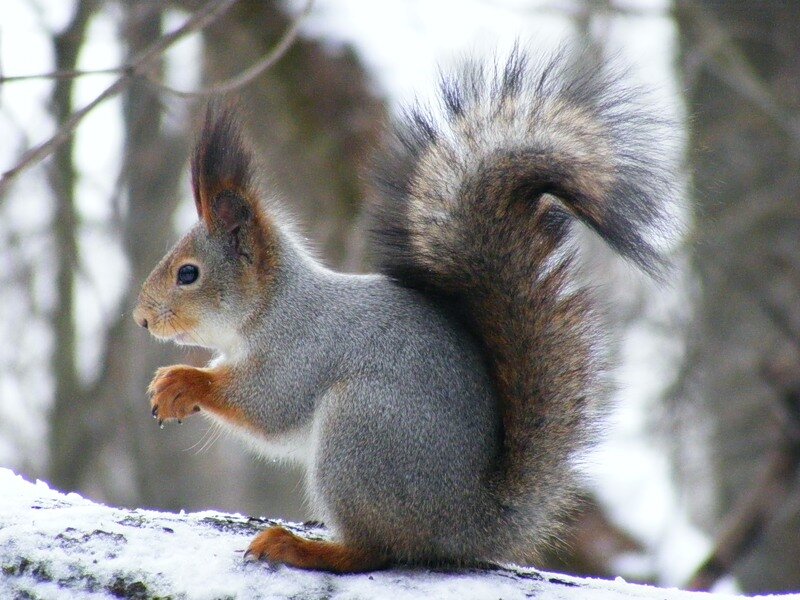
64	74
746	522
776	313
726	61
249	74
748	519
200	19
576	10
223	87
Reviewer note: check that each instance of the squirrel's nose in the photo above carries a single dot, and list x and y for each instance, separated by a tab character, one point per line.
140	319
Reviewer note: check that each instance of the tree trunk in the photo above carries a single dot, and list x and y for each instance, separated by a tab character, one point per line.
741	65
71	432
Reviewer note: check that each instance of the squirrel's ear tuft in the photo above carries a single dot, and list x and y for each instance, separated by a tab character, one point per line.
222	165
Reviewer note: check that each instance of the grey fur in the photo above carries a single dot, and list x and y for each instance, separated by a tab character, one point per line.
438	407
393	400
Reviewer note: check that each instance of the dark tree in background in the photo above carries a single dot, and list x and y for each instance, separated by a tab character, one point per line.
72	441
741	62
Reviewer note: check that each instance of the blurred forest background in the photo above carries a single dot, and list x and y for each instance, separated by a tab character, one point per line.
78	236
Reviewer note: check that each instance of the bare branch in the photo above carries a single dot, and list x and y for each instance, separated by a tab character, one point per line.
746	522
62	74
580	10
249	74
199	20
729	64
776	312
223	87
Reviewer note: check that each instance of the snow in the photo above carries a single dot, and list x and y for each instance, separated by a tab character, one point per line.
55	545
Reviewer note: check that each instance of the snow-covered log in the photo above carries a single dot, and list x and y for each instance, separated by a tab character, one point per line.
55	545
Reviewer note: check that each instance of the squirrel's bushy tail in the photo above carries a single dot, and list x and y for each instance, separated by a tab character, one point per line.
475	206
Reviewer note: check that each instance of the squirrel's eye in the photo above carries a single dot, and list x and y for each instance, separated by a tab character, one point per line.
188	274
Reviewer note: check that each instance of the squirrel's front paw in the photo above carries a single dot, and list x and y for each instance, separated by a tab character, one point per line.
178	391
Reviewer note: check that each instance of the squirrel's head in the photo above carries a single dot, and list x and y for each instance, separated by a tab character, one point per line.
220	274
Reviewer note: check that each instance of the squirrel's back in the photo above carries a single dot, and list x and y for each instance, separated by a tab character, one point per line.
475	208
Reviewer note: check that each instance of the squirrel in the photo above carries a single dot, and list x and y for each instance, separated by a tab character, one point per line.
438	406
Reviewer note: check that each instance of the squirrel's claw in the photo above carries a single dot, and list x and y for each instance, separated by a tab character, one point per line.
252	556
154	412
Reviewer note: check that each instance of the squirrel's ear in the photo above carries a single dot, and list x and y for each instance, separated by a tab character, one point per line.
230	211
222	171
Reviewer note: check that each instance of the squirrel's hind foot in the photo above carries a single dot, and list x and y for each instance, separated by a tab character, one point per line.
278	545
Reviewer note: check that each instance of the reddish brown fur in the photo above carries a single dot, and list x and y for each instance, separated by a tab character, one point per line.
279	545
266	249
179	391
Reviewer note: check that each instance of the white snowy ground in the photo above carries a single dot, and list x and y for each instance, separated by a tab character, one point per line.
55	545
